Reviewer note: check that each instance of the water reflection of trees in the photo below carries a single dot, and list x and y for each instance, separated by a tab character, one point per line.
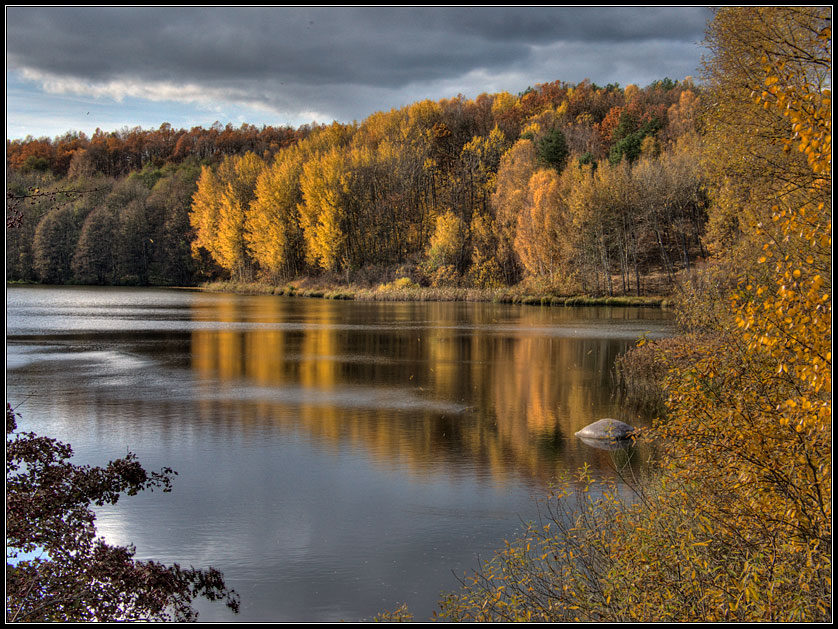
470	386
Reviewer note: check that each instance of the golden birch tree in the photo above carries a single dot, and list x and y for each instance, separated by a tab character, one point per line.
273	231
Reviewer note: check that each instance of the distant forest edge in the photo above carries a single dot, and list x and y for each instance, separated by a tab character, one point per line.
565	189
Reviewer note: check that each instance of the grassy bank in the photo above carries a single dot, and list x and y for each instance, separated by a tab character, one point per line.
410	291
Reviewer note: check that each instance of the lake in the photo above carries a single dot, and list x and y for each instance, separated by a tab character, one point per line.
334	458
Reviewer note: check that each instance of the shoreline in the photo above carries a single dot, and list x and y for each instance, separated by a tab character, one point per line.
416	293
394	293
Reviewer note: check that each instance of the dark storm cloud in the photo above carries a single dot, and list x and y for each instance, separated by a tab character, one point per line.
278	56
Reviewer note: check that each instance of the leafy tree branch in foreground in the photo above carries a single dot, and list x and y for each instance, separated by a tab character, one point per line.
77	576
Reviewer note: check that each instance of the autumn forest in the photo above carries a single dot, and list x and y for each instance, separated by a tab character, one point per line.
578	188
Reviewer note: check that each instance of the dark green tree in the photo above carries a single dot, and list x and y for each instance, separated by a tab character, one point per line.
552	150
94	259
169	203
55	241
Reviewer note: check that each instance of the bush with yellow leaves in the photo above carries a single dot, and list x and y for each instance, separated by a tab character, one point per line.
735	522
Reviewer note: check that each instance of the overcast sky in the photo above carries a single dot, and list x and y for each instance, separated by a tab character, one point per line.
78	68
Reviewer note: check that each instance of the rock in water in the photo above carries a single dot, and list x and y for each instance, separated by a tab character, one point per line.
608	429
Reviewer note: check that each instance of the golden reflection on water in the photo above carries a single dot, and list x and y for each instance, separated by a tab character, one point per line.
415	385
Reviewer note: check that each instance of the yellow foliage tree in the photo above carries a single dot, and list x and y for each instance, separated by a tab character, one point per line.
539	237
747	155
322	211
447	244
231	249
751	424
273	231
482	156
204	213
509	199
219	208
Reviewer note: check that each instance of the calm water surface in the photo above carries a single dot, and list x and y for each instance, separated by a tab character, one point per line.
334	459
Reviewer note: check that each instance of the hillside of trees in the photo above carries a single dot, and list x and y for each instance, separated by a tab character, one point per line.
568	188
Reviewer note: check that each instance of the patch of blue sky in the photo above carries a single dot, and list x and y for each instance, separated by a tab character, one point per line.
33	110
